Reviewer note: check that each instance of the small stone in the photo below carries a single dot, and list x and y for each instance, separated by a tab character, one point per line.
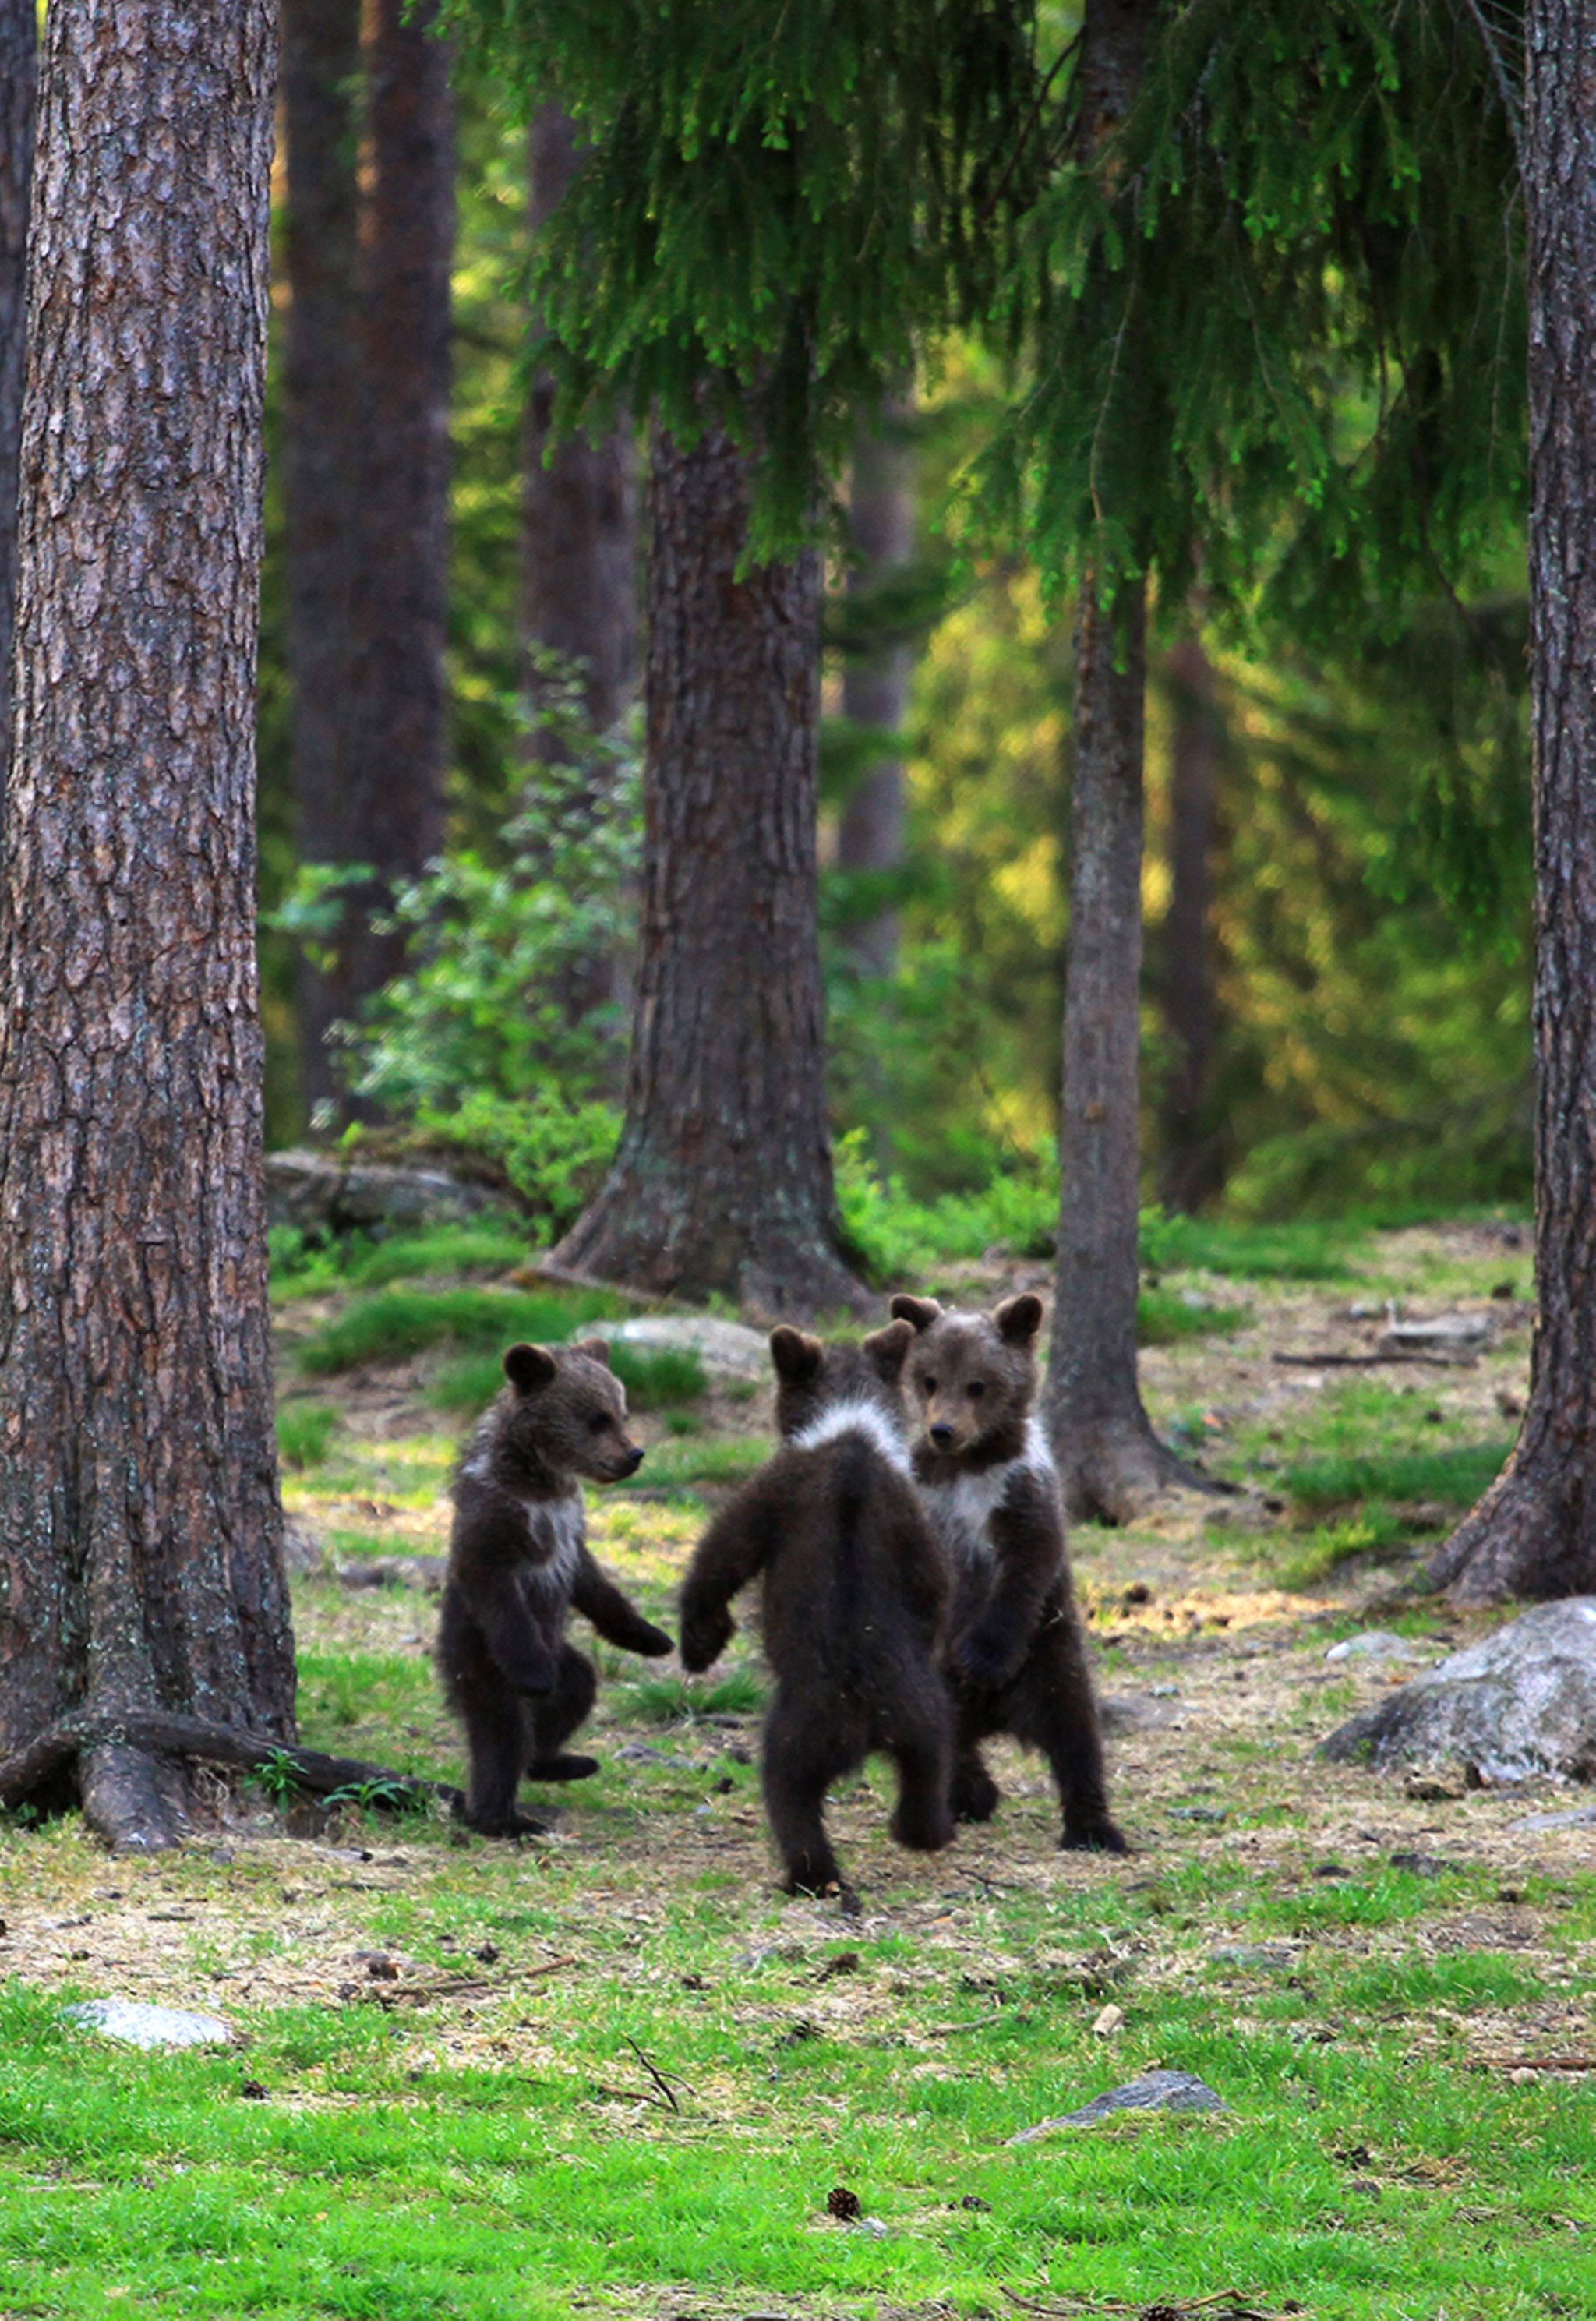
1419	1865
1109	2021
1197	1813
1273	1957
140	2025
1376	1645
1579	1818
1180	2091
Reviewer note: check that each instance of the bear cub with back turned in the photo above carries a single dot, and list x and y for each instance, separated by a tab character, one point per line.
1015	1655
855	1589
519	1561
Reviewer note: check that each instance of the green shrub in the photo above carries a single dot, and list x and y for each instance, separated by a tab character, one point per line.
397	1322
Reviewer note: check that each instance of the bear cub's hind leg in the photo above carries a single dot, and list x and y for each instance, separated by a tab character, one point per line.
555	1717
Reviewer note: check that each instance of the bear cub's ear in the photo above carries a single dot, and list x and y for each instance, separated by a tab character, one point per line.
1019	1319
528	1367
796	1357
596	1350
921	1311
889	1347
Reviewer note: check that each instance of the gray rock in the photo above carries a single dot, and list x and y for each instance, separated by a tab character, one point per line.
426	1571
1134	1712
323	1196
1152	2091
1581	1818
726	1347
139	2026
1522	1703
303	1550
1376	1644
1275	1957
1450	1337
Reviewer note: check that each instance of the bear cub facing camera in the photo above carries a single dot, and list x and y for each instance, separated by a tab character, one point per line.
854	1591
1015	1655
519	1563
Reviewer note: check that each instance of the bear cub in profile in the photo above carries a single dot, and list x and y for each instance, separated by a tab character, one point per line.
855	1589
517	1562
1015	1654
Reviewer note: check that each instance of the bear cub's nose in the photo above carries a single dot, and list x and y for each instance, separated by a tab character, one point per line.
941	1436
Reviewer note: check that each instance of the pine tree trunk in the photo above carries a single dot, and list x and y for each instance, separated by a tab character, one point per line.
1110	1459
875	687
579	518
399	731
724	1179
139	1522
1534	1534
18	72
321	444
1191	1159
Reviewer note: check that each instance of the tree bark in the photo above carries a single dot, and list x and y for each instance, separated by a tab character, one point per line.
579	514
1191	1158
875	686
399	731
1111	1460
18	75
139	1521
322	446
723	1183
1534	1534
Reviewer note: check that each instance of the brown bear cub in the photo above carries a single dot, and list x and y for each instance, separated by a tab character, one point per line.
518	1561
1015	1654
855	1589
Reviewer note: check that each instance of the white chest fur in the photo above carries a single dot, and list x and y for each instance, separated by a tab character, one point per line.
961	1511
866	1418
558	1529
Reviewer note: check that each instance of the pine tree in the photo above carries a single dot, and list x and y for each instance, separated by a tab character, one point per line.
18	72
139	1521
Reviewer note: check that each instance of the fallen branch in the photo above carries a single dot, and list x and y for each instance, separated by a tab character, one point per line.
154	1731
1332	1361
1532	2063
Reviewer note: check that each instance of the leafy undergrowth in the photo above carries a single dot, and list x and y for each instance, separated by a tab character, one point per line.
612	2072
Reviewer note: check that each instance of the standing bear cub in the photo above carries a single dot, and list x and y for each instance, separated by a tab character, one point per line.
1015	1653
518	1561
856	1587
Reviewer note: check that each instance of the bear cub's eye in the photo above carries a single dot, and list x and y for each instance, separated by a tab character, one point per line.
599	1420
976	1388
928	1386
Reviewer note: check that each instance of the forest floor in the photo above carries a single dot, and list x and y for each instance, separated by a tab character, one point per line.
613	2072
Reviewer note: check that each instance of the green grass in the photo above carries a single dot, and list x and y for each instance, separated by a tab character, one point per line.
1165	1318
1451	1478
394	1324
305	1431
303	1269
679	1700
1311	1251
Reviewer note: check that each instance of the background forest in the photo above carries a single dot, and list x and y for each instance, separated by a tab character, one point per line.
1336	991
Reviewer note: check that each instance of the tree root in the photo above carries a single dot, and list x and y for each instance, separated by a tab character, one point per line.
125	1774
1113	1472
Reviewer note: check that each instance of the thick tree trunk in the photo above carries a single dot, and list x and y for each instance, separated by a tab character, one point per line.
875	686
579	515
399	731
1534	1534
18	72
1192	1157
724	1179
139	1522
323	432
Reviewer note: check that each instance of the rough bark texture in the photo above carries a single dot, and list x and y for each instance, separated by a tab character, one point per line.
1109	1456
18	74
322	441
579	515
399	730
876	688
139	1523
1192	1155
723	1178
1534	1534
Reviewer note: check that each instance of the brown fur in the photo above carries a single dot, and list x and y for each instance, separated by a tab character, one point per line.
518	1561
1016	1656
855	1592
